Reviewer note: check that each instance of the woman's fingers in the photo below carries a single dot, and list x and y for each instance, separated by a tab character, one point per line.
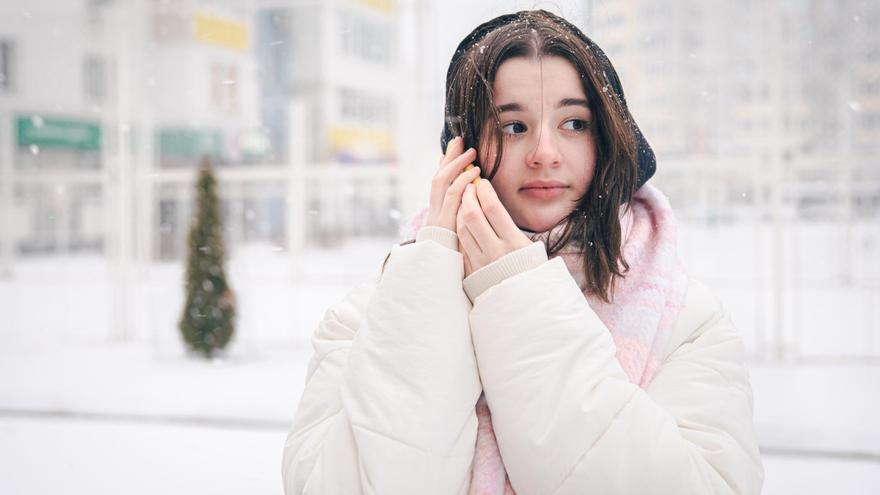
484	226
475	219
435	198
448	183
453	149
467	241
446	175
451	170
495	212
452	200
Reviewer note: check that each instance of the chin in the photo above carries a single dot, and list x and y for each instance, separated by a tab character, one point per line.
539	224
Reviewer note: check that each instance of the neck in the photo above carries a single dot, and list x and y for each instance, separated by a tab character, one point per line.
626	220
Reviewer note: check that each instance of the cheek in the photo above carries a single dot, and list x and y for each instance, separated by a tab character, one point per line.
512	153
586	156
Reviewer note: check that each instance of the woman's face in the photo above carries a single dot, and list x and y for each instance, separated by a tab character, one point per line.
549	153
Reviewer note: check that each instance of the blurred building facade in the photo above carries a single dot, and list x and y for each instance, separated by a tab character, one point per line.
54	151
335	66
782	92
764	117
107	106
105	114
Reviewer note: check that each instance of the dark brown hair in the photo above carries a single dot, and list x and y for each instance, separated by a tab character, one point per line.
594	223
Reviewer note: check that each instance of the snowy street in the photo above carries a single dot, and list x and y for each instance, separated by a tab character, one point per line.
51	455
70	424
47	455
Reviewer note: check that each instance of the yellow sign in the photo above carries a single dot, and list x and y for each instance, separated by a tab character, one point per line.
219	31
386	6
360	142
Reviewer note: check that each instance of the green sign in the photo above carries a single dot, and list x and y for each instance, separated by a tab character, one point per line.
184	141
50	132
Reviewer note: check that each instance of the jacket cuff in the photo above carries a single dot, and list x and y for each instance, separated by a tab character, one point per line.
440	235
510	264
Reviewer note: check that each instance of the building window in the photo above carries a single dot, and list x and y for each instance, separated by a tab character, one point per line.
360	106
224	87
369	40
870	121
6	54
95	10
94	79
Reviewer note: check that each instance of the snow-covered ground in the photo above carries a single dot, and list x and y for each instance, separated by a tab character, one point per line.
86	408
49	455
104	418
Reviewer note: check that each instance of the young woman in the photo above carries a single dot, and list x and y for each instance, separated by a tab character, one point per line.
539	336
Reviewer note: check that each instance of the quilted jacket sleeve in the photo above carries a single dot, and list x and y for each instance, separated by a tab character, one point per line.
388	406
567	419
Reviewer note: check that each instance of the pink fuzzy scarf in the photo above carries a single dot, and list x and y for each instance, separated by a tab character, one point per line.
646	303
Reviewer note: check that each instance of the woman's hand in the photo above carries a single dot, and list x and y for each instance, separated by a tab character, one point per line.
485	231
448	184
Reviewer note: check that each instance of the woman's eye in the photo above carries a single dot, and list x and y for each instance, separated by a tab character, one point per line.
514	128
576	125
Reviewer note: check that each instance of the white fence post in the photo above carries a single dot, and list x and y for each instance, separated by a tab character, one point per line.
7	232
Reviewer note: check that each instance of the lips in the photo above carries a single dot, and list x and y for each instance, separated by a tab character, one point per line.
543	189
543	184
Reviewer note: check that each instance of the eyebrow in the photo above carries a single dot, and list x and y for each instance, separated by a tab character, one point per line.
565	102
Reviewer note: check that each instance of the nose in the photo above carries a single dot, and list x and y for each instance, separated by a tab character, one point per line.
546	152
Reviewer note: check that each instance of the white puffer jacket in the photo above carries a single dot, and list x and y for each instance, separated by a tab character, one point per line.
388	406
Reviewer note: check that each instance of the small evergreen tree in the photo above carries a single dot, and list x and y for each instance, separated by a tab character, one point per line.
208	318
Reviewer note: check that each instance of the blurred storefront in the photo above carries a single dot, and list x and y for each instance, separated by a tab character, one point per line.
153	87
